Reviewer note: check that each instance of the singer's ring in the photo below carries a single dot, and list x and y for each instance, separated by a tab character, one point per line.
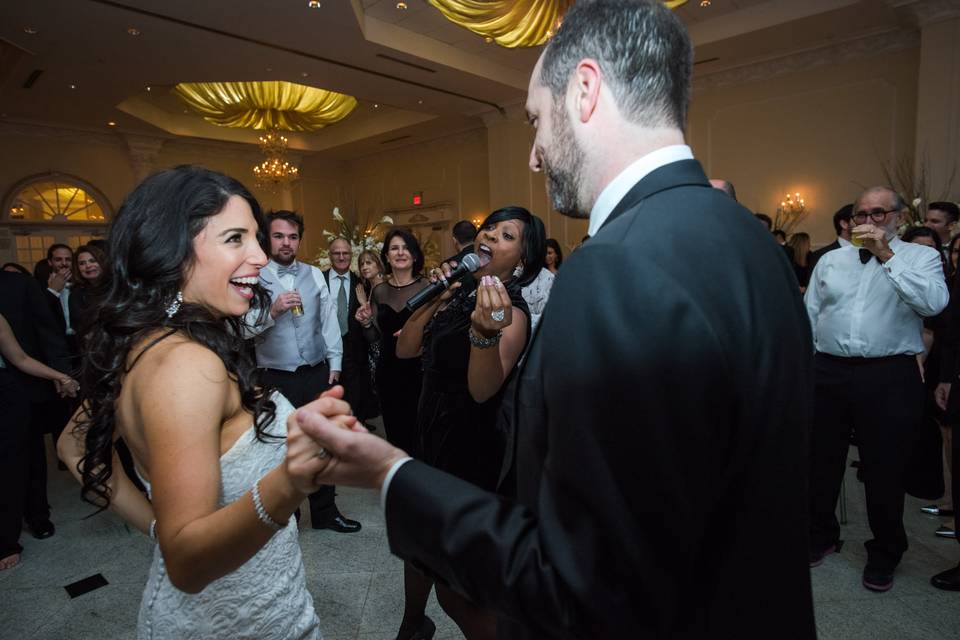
498	315
321	453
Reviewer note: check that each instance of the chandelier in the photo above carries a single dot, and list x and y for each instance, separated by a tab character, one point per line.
275	170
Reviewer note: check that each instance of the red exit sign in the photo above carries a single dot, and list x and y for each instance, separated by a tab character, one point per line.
418	198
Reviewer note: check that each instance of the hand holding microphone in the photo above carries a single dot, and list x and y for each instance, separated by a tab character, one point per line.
447	283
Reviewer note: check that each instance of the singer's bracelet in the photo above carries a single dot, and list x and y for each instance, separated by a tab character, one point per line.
484	343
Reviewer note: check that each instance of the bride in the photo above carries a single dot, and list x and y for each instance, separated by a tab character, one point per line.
224	462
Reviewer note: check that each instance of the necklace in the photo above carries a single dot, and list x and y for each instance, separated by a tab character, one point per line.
396	280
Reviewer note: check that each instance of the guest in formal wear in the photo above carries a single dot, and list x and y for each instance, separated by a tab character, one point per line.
471	339
14	437
726	186
942	218
554	256
223	460
371	275
355	376
60	261
298	344
800	253
635	511
463	235
25	307
841	225
398	384
88	284
866	309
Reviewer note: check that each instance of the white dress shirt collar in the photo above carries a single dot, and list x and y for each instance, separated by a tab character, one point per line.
614	192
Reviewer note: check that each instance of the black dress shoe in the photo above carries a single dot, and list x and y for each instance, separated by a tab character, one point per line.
41	529
424	632
877	579
336	522
945	532
817	557
948	580
934	510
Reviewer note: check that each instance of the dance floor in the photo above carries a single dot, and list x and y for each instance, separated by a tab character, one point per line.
358	585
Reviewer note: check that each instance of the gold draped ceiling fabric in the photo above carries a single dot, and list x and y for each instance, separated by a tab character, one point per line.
512	23
265	105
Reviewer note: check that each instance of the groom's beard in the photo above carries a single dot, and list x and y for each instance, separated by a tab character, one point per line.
563	170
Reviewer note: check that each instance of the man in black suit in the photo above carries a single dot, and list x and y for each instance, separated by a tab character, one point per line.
25	308
660	421
841	224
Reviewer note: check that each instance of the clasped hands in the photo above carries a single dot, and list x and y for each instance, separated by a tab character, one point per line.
326	444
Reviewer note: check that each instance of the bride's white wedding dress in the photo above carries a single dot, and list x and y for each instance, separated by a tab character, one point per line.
267	597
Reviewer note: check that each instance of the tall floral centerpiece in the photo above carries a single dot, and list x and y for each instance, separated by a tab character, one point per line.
360	236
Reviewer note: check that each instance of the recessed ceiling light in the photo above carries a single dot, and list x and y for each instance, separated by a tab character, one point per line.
269	69
419	101
304	74
314	4
30	31
704	3
186	110
488	39
149	88
111	124
72	86
402	5
376	106
133	31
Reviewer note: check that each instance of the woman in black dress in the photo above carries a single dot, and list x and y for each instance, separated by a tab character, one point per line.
471	339
398	387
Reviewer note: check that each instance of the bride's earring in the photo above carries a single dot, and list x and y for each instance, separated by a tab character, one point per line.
518	270
174	306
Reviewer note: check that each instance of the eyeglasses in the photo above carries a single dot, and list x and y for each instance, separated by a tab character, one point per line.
875	215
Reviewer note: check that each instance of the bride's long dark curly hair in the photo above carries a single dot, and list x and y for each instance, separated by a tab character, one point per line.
150	251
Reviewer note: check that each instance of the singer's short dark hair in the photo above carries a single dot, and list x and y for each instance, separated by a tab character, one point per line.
412	246
533	250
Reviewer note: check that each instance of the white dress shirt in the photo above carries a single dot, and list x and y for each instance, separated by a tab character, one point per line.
874	310
64	298
614	192
536	295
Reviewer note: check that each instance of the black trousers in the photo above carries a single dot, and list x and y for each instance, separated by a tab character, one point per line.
881	399
14	436
300	387
45	417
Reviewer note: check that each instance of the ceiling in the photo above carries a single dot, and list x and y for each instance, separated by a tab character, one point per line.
415	74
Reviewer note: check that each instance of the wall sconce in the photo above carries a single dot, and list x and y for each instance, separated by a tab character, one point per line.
792	210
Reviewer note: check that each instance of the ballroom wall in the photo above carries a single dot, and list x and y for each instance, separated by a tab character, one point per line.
824	132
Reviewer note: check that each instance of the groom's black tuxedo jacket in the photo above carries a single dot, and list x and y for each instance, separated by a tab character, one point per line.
659	447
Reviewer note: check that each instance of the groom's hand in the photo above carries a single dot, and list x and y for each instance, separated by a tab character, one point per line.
358	459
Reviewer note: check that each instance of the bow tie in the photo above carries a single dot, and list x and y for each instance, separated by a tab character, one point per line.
865	256
289	270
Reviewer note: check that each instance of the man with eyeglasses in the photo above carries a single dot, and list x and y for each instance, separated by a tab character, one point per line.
866	303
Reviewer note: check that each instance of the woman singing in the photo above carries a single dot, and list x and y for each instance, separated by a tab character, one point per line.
471	339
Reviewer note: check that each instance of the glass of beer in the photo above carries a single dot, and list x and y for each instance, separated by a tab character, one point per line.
297	310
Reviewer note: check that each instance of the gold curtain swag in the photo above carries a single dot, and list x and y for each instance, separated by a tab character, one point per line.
512	23
265	105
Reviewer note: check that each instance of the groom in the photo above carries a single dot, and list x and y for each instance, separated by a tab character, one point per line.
649	475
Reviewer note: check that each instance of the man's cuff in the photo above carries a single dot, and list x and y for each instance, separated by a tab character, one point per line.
894	266
54	292
335	363
386	481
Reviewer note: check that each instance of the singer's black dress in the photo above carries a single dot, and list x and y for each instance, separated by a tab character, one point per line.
457	434
397	381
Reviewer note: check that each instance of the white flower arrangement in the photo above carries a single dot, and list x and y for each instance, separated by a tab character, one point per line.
361	238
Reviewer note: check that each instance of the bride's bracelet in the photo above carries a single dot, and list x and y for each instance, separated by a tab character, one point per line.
261	512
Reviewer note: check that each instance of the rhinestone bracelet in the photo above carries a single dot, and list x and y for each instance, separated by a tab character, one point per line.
261	512
484	343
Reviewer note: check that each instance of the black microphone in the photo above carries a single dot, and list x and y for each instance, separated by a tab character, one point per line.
469	264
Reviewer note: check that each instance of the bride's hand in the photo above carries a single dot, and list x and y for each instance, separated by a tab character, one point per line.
305	458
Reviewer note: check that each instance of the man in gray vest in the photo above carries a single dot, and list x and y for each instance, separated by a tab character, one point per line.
298	347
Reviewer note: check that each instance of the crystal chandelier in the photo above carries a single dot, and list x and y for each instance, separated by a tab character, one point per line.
275	170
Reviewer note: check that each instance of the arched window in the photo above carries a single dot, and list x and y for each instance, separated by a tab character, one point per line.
48	208
55	198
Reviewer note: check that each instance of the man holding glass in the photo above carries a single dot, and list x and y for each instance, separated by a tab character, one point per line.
866	304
